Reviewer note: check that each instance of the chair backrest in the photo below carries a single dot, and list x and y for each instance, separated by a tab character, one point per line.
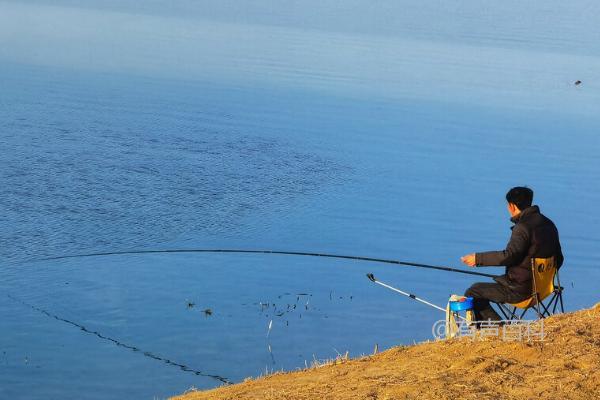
543	271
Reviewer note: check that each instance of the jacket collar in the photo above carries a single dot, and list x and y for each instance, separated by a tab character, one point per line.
525	212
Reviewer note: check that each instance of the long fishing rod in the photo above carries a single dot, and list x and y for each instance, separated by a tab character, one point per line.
290	253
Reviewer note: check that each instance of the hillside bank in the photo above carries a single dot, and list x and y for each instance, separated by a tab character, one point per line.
565	365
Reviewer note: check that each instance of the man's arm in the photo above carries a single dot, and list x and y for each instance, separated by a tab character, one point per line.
515	251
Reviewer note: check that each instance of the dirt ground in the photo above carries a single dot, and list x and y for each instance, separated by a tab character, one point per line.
565	365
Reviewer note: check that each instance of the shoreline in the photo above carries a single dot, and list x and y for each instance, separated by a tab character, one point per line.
566	365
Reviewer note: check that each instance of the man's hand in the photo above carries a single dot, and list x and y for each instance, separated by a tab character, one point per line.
469	259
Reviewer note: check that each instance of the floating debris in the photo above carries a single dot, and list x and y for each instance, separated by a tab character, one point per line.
190	304
208	312
270	326
577	82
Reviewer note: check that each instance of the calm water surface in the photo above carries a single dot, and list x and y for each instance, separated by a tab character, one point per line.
286	128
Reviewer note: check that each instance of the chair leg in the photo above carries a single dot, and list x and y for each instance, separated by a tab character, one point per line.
556	301
559	291
562	309
504	310
546	311
537	307
553	303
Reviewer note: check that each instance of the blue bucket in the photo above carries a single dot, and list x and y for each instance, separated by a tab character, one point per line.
462	305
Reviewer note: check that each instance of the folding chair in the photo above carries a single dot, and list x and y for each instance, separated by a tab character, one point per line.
545	283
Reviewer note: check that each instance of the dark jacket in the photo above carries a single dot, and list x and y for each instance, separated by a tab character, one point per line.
533	236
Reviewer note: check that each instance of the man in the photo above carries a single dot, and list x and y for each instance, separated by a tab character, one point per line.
533	236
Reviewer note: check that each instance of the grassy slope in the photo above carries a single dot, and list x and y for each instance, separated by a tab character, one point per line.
565	366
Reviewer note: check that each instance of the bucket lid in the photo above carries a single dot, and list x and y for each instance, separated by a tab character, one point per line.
463	303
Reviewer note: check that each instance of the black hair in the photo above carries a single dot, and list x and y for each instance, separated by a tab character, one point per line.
521	196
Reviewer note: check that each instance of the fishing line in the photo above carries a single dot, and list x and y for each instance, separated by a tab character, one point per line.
117	342
289	253
237	251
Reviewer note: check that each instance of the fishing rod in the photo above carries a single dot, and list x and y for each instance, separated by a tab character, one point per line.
410	295
290	253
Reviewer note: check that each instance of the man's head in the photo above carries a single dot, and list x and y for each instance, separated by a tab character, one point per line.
519	198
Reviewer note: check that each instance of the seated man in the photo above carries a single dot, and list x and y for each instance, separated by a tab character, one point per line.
533	236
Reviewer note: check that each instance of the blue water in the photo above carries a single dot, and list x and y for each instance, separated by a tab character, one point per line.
331	128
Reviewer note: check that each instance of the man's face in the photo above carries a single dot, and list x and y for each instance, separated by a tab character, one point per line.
512	209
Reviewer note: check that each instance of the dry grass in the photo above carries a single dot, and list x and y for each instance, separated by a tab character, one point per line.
566	365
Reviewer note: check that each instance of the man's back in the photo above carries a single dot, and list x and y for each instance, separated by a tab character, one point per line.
534	235
544	237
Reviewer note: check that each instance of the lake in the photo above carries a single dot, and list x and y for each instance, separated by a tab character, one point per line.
385	129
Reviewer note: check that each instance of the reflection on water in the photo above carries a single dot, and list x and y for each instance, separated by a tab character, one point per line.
394	139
